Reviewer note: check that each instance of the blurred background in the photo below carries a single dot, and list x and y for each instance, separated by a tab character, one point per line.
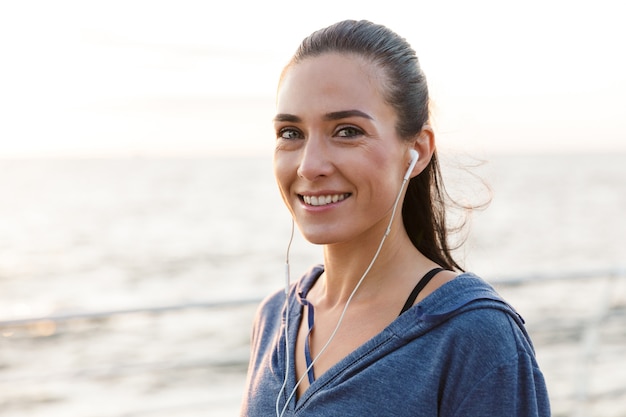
140	223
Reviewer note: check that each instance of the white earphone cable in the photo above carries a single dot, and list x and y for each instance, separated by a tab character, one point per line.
286	307
343	313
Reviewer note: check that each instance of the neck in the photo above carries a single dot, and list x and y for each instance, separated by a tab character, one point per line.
346	264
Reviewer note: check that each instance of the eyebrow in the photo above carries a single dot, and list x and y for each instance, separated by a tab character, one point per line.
284	117
344	114
336	115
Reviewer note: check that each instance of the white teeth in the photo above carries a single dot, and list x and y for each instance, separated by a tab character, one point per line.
322	200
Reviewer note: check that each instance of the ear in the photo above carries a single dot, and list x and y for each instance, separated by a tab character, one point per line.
424	144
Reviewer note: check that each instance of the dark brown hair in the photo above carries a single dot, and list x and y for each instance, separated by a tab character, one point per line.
406	90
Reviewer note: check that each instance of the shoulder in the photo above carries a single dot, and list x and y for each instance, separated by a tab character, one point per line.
470	311
495	360
270	304
488	355
489	332
267	317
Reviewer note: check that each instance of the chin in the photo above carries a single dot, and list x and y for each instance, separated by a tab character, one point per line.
318	235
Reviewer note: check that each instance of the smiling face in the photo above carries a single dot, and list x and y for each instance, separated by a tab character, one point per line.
338	161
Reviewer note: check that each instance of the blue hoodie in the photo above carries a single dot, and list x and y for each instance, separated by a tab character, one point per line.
462	351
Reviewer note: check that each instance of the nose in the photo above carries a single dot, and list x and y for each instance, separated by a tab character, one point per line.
315	159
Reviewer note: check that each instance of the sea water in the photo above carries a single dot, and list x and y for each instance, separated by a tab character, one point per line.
103	235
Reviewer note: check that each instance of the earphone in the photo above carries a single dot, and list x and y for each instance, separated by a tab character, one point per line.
279	413
414	157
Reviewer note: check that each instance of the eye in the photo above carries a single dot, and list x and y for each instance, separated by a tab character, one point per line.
349	132
288	133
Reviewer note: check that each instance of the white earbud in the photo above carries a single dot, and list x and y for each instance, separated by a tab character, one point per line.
414	157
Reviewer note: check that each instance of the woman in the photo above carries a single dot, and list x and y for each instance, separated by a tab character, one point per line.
389	325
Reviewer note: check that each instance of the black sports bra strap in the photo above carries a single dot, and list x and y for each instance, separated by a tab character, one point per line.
419	287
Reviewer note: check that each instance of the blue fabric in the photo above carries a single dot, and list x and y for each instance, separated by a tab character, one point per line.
462	351
307	349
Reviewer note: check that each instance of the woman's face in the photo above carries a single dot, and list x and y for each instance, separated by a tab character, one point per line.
338	161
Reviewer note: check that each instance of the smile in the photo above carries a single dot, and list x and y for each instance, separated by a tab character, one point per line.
322	200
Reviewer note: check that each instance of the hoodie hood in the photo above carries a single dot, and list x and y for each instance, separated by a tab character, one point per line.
464	293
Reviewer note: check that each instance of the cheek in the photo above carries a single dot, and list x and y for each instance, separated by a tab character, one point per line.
380	167
386	180
284	173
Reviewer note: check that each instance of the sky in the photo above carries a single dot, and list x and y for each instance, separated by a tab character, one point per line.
193	78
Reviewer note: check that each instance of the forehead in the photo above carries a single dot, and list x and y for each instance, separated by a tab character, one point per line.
333	81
